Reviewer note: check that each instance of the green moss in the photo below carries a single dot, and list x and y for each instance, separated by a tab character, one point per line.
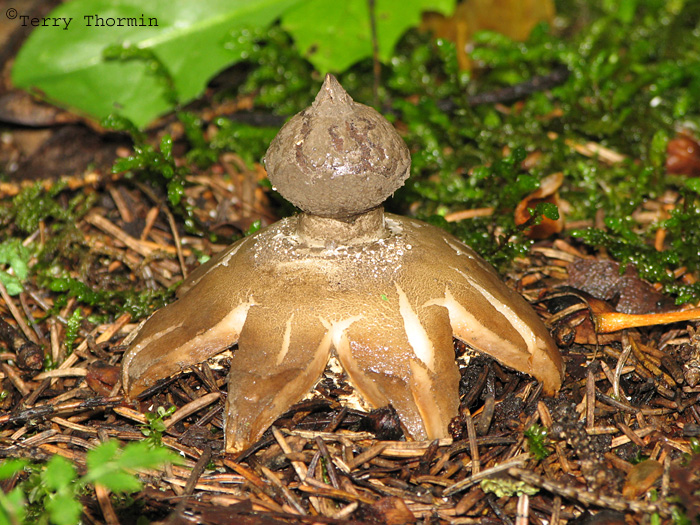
250	142
537	441
157	166
72	329
628	86
280	79
137	303
35	204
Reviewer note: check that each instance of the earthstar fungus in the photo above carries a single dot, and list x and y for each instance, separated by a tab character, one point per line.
383	294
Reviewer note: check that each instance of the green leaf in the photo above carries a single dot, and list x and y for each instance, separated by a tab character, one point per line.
59	473
64	510
10	467
176	189
13	285
335	35
12	252
12	507
120	481
102	454
254	227
549	210
625	10
657	151
537	440
17	256
186	37
143	455
110	466
692	184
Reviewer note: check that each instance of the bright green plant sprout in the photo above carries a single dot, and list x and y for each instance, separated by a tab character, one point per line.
537	441
14	254
51	494
254	227
59	484
157	164
154	428
12	504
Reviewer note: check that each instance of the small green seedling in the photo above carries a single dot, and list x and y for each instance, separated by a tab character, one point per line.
155	427
14	254
537	441
51	493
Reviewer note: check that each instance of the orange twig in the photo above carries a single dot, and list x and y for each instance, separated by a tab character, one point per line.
608	322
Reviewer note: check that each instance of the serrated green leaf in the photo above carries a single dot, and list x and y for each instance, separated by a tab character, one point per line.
107	463
9	467
17	256
68	65
102	454
120	482
12	505
142	455
335	35
64	510
59	473
12	252
14	287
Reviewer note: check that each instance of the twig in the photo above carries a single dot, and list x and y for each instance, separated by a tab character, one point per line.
29	355
20	385
587	498
590	397
288	495
28	332
461	215
171	223
522	512
191	407
108	513
366	456
461	485
621	363
473	447
194	476
144	248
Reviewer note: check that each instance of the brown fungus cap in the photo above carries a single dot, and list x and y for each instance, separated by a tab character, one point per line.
337	158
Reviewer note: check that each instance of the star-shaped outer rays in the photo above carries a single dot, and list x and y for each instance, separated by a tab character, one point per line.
387	309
